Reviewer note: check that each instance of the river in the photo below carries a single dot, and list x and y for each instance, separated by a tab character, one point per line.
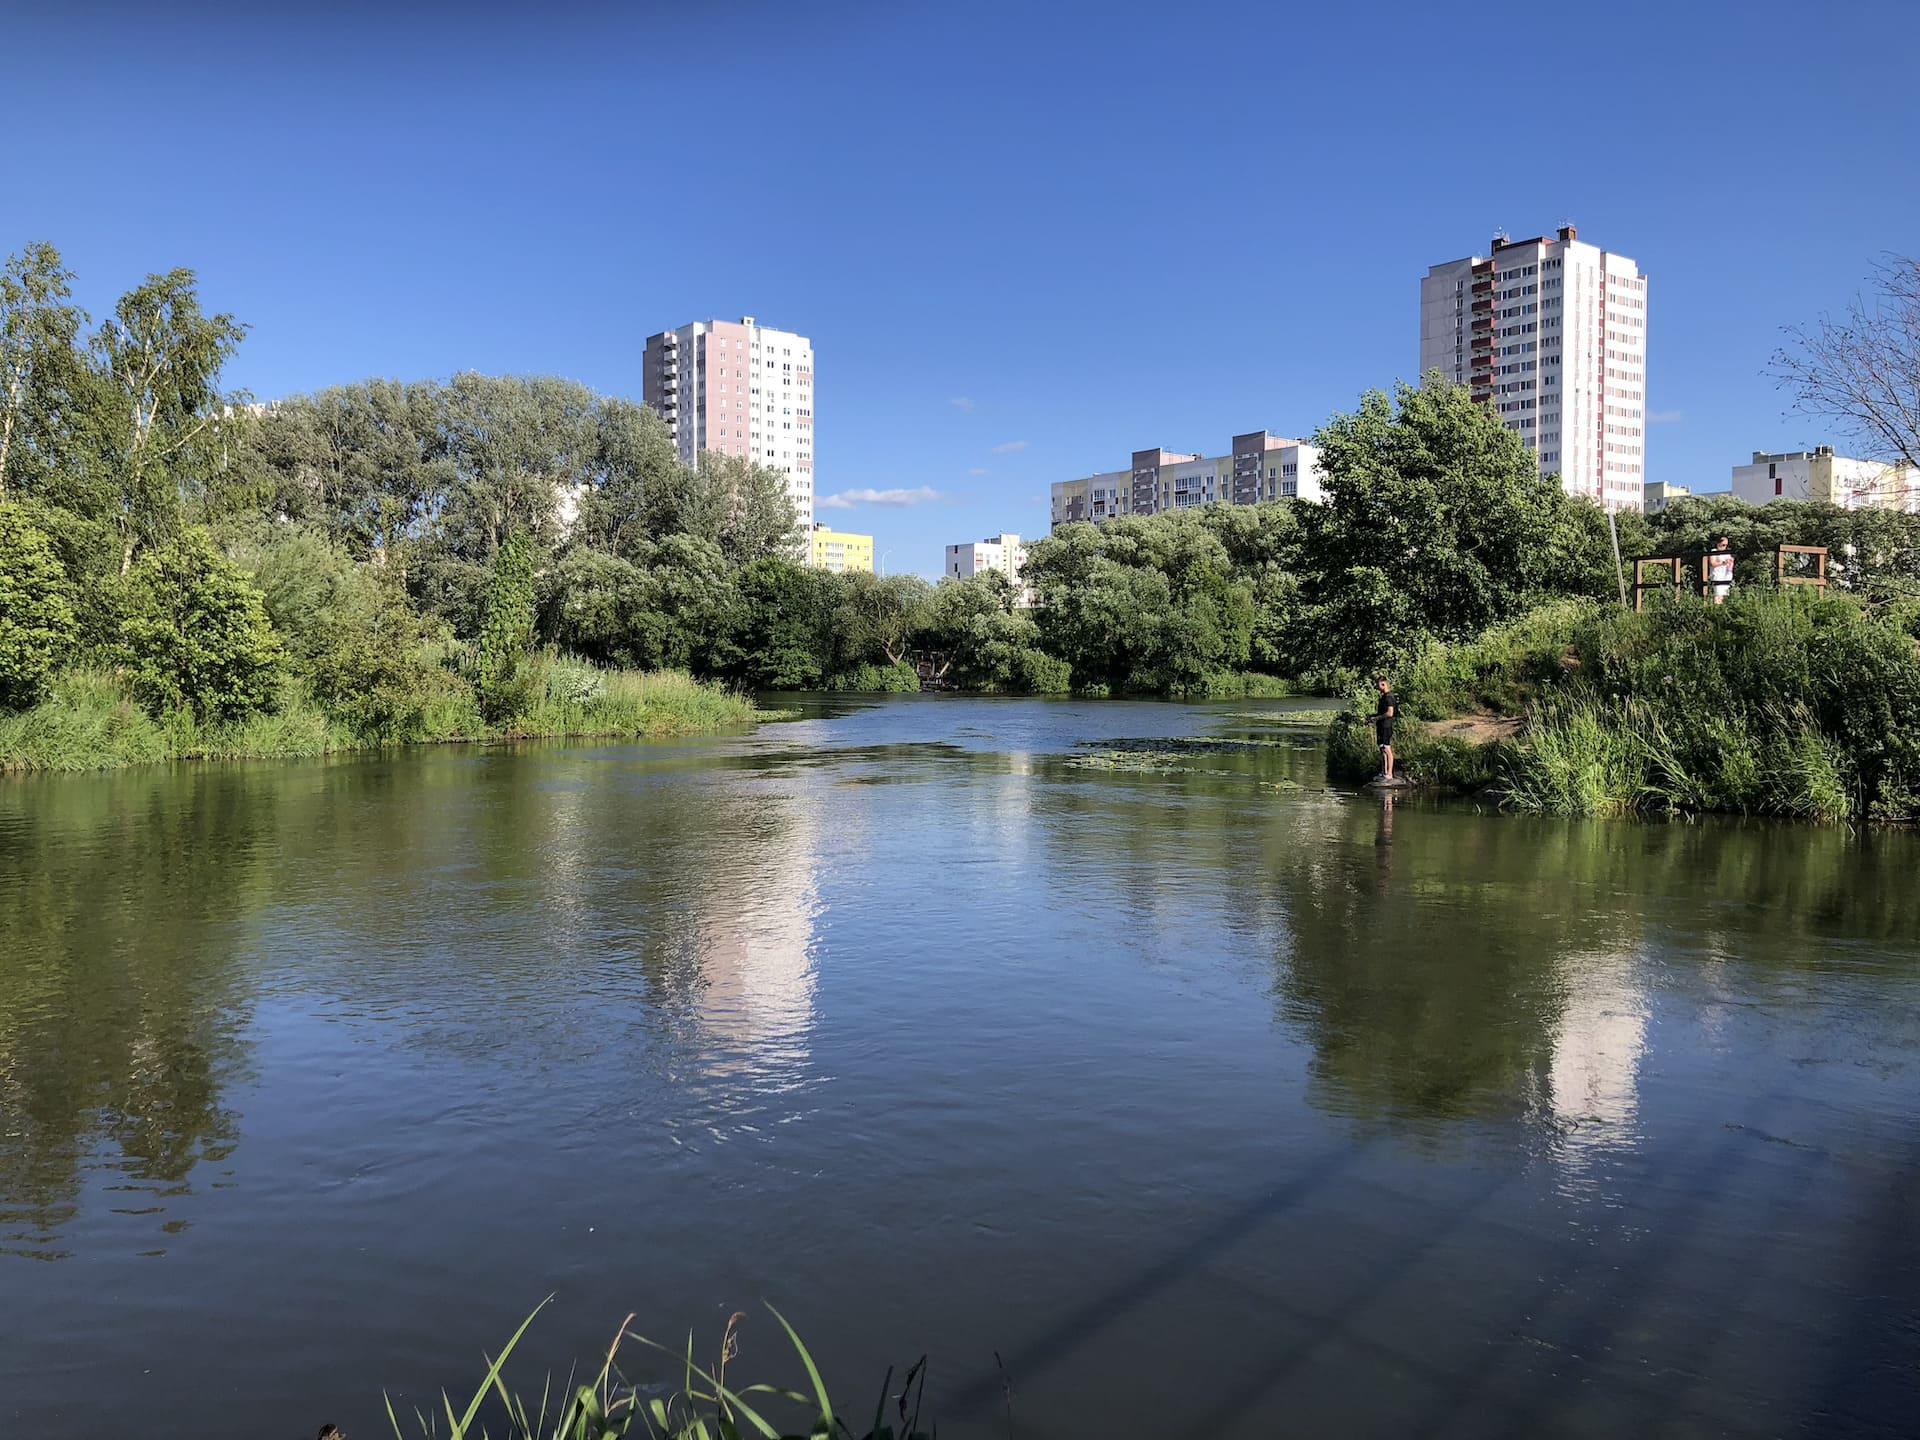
1209	1099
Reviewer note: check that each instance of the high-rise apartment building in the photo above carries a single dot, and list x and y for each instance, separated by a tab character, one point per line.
1260	467
738	388
1552	333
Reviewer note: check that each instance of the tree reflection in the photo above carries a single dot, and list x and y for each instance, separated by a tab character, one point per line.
1449	965
120	999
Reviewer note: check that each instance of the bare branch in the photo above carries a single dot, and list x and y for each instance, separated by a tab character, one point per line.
1862	370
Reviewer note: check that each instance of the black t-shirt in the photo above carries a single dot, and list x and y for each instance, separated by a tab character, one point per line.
1382	719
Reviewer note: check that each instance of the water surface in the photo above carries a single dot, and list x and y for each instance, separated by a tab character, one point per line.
1214	1100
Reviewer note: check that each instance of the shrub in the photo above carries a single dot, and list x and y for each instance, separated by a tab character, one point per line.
900	679
506	630
36	616
1031	671
196	634
1502	670
368	672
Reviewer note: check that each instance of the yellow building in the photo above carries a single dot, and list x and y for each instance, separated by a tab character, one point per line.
838	551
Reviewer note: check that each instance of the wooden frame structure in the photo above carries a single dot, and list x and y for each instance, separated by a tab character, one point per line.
1819	577
1670	564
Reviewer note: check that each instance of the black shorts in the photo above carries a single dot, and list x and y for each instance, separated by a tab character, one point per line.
1384	730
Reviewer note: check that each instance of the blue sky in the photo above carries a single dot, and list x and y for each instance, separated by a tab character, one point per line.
1026	239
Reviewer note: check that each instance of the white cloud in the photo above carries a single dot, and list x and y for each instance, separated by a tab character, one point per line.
962	402
1664	417
977	470
847	499
1012	447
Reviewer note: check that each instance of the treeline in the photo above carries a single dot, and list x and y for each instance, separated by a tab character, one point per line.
424	558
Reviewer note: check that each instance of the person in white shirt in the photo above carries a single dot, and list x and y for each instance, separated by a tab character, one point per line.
1720	571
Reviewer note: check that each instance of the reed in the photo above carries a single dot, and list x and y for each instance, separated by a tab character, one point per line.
613	1405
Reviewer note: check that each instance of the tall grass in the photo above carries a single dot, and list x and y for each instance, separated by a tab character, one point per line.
613	1406
89	720
1773	704
1501	670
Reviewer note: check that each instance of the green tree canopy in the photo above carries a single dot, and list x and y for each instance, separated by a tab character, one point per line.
1437	522
196	634
36	618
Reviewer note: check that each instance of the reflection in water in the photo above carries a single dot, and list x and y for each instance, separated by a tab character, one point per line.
1593	1086
1391	1116
756	946
121	1005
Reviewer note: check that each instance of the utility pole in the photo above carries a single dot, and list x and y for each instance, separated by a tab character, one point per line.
1619	567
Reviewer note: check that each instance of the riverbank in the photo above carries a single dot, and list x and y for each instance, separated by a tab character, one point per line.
1773	704
90	720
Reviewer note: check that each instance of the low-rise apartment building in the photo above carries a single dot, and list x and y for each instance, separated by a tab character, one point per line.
1658	494
1820	475
1004	553
840	550
1259	467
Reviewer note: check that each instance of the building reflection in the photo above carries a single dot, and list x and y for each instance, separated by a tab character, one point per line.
1593	1079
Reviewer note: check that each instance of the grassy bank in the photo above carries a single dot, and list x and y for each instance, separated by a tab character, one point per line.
1774	704
90	719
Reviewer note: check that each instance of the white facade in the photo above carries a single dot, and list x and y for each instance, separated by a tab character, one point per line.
1004	553
1259	468
1552	333
738	388
1662	493
1830	479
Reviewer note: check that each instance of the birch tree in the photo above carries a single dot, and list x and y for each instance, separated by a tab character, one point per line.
162	356
38	329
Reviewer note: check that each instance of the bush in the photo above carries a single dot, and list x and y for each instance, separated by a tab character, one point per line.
369	673
900	679
1772	704
506	631
36	617
196	634
1502	671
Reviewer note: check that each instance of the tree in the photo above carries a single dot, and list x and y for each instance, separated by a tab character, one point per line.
38	334
784	625
196	634
742	507
878	616
162	357
1863	369
1147	605
36	618
698	600
637	460
757	517
506	632
367	462
1437	522
366	669
603	608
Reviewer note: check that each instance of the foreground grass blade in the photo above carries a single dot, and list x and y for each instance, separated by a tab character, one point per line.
813	1371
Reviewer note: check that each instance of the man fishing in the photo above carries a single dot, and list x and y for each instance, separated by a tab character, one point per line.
1385	711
